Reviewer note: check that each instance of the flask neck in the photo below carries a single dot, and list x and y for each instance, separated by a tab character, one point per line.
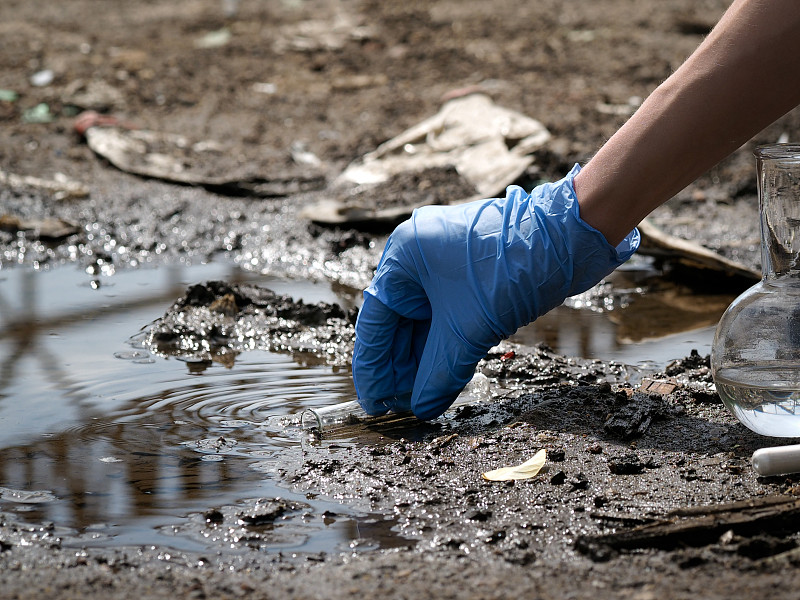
778	168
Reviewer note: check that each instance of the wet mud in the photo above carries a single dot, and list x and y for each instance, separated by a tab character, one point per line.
215	321
323	82
628	467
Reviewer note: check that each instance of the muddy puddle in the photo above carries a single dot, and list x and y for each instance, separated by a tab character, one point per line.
635	318
116	446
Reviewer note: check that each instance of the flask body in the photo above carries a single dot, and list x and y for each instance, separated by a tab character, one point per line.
755	357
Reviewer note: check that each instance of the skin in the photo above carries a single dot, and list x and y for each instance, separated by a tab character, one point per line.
744	76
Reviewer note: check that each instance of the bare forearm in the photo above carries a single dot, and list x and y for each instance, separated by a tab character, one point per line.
744	76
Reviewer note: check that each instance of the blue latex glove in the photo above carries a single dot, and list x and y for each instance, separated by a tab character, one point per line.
455	280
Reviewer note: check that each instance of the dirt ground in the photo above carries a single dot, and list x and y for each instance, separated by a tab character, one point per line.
279	80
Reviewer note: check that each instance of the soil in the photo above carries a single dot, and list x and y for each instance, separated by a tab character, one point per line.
320	83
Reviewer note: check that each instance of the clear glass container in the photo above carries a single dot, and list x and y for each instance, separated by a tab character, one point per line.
755	358
325	418
322	418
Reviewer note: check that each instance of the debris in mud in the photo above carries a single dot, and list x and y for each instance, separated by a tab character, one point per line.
540	366
323	34
693	261
384	205
255	523
213	321
38	114
655	386
47	228
225	305
693	362
42	78
61	186
212	447
490	146
632	418
264	513
213	165
628	464
214	39
704	525
487	146
94	94
530	468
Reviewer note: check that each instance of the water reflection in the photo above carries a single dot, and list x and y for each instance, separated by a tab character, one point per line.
111	435
651	324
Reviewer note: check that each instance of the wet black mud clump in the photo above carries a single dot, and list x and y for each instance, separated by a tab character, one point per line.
214	321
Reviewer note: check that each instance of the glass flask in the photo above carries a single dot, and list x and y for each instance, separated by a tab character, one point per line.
755	358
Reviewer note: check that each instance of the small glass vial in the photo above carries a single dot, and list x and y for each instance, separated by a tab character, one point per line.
755	358
325	418
345	413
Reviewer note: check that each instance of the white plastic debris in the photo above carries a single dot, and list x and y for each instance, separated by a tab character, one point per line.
490	146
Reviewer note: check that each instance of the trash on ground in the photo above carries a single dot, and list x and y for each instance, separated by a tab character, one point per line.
264	87
690	256
701	524
8	96
490	146
303	156
48	228
42	78
38	114
470	149
93	95
322	34
214	39
383	206
359	81
530	468
60	185
206	163
624	110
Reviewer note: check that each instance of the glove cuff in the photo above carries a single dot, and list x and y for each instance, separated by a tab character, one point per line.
548	254
593	257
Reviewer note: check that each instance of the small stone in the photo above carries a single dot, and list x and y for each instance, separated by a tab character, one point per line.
595	448
225	305
628	464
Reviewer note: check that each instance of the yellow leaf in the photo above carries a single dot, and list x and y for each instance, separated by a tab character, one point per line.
530	468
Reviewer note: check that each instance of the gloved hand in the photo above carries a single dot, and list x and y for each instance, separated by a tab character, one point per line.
455	280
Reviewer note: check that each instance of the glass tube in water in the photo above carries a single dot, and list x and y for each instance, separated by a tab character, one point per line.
351	413
322	418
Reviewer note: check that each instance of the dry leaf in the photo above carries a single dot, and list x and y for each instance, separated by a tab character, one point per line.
530	468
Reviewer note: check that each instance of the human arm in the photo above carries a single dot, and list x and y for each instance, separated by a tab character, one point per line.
744	76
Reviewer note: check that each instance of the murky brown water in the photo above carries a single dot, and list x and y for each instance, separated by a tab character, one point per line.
100	437
115	446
